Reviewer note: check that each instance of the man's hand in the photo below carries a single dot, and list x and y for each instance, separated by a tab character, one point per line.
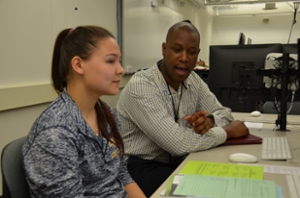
236	129
200	122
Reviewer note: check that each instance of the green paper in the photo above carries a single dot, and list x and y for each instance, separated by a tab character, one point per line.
225	187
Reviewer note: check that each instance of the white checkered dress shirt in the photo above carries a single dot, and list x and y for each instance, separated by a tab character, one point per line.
147	117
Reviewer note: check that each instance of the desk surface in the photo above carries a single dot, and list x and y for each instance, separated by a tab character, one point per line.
221	154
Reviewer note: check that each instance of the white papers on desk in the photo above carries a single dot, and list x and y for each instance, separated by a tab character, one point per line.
287	170
254	125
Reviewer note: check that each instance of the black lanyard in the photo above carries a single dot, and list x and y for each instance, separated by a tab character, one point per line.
176	111
176	117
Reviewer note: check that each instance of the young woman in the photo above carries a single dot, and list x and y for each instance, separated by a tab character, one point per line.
74	148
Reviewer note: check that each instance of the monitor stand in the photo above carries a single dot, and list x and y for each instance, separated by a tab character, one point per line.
281	119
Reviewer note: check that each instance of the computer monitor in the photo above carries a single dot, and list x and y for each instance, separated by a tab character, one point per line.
227	78
289	48
249	41
242	39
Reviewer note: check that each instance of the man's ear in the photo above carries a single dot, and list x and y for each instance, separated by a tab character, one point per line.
163	48
77	64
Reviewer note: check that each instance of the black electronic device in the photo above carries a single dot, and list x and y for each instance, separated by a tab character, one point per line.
288	77
228	80
236	74
289	48
242	39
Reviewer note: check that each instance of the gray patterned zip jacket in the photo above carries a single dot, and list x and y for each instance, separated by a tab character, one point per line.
62	157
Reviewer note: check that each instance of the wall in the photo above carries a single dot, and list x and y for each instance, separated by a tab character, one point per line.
27	42
31	28
276	30
144	30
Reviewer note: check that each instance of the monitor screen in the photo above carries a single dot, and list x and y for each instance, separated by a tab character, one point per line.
241	93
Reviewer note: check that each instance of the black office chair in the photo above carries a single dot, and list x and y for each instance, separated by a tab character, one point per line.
13	177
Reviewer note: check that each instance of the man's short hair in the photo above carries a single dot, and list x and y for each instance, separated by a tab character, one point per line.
184	25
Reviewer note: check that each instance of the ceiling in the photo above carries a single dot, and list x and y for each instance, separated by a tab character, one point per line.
248	7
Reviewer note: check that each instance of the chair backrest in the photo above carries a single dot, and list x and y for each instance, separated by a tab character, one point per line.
13	177
268	107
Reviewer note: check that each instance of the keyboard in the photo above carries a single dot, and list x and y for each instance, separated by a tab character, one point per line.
275	148
293	182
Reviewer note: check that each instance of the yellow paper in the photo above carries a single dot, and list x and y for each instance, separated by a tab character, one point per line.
223	169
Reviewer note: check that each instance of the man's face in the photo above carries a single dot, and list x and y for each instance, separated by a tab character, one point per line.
180	54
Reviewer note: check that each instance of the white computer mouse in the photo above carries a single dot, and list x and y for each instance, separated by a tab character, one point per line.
255	113
242	157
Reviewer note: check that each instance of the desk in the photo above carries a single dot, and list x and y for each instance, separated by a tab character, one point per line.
221	154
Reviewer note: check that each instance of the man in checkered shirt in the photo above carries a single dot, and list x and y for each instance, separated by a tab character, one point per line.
167	112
